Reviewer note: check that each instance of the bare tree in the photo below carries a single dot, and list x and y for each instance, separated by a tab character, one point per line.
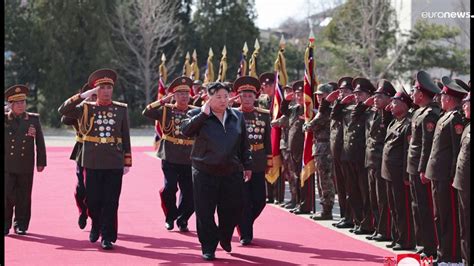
362	46
145	28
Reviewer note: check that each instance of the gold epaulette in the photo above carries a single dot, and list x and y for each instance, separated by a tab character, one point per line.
33	114
119	104
192	106
169	105
261	110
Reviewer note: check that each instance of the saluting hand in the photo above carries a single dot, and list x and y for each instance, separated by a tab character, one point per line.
234	99
332	96
247	175
370	101
348	99
290	96
166	99
206	107
89	93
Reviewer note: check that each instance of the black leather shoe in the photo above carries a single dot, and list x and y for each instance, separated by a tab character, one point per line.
344	224
400	247
169	226
20	231
245	241
226	246
353	229
106	244
290	206
208	256
381	238
361	231
371	237
82	222
299	211
391	245
183	228
94	235
270	201
6	231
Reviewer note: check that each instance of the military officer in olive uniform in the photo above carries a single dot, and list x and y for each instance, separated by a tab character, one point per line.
441	169
174	152
106	154
423	126
376	129
80	192
394	161
343	184
321	152
22	133
257	121
296	143
462	182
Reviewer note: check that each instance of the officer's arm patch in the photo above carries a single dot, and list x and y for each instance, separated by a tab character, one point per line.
430	126
458	128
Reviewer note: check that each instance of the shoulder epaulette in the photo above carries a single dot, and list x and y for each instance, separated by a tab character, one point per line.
261	110
169	105
120	104
33	114
192	106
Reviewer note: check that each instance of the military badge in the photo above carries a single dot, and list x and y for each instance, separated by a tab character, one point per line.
430	126
458	128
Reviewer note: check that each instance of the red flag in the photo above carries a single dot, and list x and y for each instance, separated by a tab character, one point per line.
308	89
274	171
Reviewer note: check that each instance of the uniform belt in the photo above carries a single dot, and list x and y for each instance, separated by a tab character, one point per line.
102	140
256	147
178	140
79	139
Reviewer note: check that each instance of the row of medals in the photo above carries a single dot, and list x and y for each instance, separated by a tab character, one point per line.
257	127
177	119
105	121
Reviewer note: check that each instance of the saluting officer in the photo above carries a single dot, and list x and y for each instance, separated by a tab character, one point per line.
376	129
76	155
343	183
321	152
106	154
174	152
394	161
462	182
22	132
423	126
442	167
257	121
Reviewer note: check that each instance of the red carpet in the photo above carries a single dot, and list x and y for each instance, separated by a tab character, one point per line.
54	238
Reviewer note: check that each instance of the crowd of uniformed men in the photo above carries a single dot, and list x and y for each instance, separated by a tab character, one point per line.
398	160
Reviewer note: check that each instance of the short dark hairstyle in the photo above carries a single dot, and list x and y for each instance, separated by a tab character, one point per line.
213	87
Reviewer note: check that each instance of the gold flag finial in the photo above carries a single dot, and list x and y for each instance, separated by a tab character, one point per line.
209	74
256	45
253	60
187	70
245	49
194	67
162	69
282	42
222	65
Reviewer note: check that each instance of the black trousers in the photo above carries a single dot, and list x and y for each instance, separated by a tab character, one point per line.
103	187
358	195
464	198
177	175
423	214
384	220
80	193
253	204
223	193
445	202
400	207
271	191
18	189
342	187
